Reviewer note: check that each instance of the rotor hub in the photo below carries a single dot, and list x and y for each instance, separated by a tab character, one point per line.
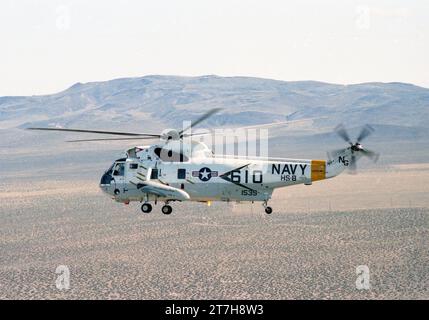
170	134
357	147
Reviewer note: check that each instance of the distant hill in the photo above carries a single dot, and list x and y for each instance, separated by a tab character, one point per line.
153	101
399	113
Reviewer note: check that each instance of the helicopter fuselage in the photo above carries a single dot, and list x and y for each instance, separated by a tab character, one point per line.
160	173
183	169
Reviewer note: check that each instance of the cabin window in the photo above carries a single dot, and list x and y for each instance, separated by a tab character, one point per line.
154	174
181	174
134	166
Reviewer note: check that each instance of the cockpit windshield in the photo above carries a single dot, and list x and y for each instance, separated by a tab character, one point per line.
110	168
107	176
117	169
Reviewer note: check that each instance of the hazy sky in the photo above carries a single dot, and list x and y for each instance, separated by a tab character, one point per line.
46	46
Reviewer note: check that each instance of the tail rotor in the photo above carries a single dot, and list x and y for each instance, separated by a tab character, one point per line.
355	147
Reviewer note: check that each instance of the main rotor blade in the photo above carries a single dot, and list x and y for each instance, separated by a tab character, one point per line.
112	139
366	131
341	131
273	124
200	119
119	133
370	154
197	134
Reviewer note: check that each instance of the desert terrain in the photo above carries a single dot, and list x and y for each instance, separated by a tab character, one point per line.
52	212
308	248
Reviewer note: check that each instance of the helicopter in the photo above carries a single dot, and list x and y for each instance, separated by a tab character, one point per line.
180	168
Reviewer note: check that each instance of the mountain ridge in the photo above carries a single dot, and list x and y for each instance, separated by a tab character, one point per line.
168	100
77	84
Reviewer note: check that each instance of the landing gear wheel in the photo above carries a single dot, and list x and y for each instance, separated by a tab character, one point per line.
146	207
166	209
268	210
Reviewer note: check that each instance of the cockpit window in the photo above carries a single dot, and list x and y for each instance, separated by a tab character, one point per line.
119	169
154	174
170	156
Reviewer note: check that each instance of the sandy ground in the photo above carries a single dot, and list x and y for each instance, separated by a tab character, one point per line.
308	248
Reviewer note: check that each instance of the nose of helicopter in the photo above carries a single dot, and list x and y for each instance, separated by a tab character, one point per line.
106	183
